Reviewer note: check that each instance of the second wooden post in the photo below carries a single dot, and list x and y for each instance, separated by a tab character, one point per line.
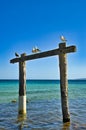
64	82
22	85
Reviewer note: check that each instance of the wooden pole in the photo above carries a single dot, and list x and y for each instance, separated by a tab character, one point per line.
64	83
22	85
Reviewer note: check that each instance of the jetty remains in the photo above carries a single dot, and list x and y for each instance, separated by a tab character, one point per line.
62	53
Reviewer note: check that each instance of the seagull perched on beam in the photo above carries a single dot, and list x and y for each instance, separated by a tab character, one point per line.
63	38
35	50
16	54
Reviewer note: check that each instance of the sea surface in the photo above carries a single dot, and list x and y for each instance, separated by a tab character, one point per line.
43	106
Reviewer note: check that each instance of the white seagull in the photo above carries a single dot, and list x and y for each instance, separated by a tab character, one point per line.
35	50
63	38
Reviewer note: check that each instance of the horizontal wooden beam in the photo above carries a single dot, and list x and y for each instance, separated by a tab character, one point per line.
45	54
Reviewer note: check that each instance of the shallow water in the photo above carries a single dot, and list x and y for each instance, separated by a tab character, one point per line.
44	106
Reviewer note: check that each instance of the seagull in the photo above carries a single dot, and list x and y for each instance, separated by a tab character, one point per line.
17	55
63	38
35	50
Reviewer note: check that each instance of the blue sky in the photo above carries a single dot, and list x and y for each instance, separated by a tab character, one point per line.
26	23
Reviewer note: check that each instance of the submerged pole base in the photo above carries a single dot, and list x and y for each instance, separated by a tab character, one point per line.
66	120
21	117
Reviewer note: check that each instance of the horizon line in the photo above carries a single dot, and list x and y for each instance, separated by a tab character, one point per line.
47	79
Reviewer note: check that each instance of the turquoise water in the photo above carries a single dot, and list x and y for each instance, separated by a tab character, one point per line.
44	106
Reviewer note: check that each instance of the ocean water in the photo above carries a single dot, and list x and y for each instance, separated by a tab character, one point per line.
43	107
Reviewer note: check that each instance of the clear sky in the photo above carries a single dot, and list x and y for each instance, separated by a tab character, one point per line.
28	23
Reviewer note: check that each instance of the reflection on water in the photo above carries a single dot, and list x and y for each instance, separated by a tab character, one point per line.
66	126
21	121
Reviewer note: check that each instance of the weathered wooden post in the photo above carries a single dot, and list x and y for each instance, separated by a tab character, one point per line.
22	85
64	82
